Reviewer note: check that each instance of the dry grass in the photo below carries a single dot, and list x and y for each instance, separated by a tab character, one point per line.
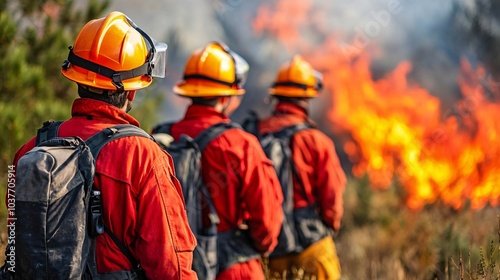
487	266
382	239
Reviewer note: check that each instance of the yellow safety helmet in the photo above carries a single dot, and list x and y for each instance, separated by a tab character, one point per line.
297	79
213	71
111	53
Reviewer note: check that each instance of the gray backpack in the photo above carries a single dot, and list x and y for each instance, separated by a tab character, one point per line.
215	251
301	227
58	211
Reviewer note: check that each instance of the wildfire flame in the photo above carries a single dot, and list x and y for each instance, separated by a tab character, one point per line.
396	129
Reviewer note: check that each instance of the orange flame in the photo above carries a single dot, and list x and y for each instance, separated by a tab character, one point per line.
396	129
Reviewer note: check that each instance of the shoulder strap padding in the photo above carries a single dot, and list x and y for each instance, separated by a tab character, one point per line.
49	130
100	139
209	134
289	131
251	124
162	128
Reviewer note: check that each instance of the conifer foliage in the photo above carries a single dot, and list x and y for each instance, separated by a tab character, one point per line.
34	40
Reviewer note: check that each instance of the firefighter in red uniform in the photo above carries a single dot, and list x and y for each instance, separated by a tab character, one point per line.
142	200
240	179
320	179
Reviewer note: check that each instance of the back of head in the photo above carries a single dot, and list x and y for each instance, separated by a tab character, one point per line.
213	71
297	79
112	53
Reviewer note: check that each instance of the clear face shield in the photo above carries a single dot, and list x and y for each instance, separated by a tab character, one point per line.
319	81
241	68
158	55
159	60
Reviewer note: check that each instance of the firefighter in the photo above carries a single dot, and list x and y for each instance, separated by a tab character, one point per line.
319	179
142	201
240	179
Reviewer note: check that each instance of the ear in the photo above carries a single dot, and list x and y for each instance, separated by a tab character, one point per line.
131	95
223	100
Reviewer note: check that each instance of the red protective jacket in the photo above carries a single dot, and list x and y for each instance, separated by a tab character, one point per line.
142	200
242	183
316	162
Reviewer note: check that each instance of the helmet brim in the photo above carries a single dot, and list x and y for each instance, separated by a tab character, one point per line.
293	92
102	82
199	90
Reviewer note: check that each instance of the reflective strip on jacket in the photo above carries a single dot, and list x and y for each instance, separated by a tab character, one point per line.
316	162
239	177
142	200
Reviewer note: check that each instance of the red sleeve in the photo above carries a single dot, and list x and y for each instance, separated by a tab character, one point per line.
262	195
23	150
143	207
321	174
165	242
330	183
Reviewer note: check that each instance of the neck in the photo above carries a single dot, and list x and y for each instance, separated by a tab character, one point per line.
300	102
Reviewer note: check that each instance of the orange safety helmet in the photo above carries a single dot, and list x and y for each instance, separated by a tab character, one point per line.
111	53
297	79
213	71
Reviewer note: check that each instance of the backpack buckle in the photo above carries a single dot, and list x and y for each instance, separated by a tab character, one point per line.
44	133
95	211
46	125
110	131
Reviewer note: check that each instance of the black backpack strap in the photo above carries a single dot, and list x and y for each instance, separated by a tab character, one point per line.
123	248
209	134
162	128
49	130
99	140
96	143
251	124
287	133
202	140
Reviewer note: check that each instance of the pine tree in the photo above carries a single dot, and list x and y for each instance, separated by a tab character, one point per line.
34	40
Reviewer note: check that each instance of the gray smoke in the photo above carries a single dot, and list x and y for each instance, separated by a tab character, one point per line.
400	29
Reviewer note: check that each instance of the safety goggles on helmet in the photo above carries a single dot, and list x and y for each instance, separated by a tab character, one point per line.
241	68
319	80
158	55
154	66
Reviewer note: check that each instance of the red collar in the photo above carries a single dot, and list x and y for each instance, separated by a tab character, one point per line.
290	108
201	111
101	110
